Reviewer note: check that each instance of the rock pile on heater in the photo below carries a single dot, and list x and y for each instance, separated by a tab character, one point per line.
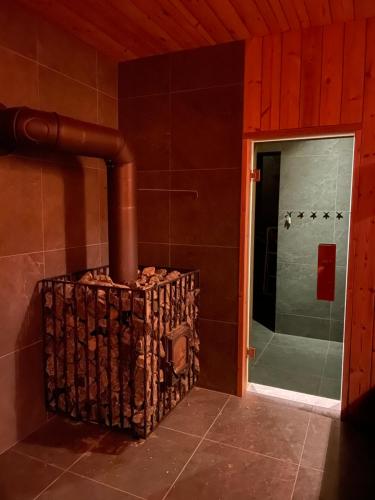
108	347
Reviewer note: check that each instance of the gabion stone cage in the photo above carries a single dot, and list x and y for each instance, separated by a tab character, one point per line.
118	355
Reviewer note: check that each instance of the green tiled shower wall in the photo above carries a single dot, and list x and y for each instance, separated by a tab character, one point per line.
315	177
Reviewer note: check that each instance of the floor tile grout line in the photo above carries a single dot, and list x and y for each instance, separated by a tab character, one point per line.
199	388
21	439
196	448
104	484
324	356
264	350
40	460
258	453
179	431
70	466
301	456
323	369
21	349
56	479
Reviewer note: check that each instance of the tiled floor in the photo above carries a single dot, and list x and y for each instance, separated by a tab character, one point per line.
299	364
212	447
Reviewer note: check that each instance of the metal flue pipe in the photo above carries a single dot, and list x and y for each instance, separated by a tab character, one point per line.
28	127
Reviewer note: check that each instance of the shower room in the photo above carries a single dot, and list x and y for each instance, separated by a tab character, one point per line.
301	216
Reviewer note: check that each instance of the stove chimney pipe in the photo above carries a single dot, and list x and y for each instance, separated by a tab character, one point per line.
23	126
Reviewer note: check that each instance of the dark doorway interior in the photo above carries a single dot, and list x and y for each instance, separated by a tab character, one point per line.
265	246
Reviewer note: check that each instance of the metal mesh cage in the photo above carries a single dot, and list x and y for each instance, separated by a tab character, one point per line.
120	356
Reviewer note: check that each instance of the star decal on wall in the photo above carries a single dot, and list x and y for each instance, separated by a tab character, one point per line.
313	215
326	215
339	215
301	215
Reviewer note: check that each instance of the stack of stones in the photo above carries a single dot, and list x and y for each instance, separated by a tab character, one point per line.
107	354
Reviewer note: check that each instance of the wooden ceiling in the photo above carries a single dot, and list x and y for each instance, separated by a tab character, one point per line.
129	29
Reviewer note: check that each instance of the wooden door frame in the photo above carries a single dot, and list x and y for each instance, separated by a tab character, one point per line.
245	274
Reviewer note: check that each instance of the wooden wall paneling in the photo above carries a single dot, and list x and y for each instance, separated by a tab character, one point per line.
342	10
265	115
364	281
268	15
82	28
290	80
332	64
271	71
182	15
251	16
346	83
279	14
143	25
319	12
144	28
112	23
368	147
228	15
302	14
208	19
184	19
253	84
164	14
291	14
311	76
366	239
351	271
276	81
353	73
364	8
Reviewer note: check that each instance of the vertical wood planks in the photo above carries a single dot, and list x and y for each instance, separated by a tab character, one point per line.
311	76
319	11
290	80
353	76
365	287
276	82
271	71
325	76
364	8
253	84
332	63
291	14
348	340
368	148
265	121
342	10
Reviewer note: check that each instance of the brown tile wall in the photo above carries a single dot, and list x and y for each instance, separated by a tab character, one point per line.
182	114
52	208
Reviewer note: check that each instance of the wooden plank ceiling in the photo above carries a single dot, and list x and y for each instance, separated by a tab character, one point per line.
129	29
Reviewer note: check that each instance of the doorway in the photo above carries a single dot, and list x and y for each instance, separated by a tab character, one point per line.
300	232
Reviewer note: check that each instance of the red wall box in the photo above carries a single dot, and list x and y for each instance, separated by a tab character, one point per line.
325	289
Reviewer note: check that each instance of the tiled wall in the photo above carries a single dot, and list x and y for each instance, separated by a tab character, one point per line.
315	178
182	114
52	207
